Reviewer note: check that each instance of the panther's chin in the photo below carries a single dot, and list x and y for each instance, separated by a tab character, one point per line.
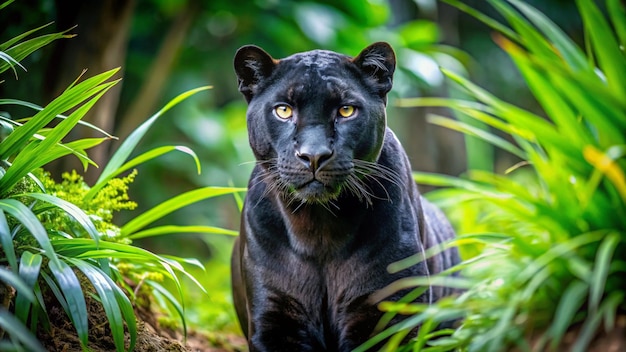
316	192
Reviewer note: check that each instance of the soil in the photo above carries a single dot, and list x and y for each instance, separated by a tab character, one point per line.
151	336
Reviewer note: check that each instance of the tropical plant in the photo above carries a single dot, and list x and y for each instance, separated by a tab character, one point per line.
58	240
544	243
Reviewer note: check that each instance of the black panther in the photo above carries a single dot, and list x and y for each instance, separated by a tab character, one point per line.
331	201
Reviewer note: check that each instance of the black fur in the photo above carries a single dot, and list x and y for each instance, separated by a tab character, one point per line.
331	202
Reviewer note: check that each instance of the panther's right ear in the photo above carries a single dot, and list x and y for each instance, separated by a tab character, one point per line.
252	65
378	61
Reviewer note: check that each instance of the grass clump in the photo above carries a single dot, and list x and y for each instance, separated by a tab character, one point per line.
545	242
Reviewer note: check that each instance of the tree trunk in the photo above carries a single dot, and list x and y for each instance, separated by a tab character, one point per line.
100	45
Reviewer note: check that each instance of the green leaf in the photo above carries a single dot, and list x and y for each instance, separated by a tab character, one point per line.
66	101
558	251
16	282
107	292
60	150
77	213
83	248
12	63
127	147
18	331
5	4
569	303
154	153
238	199
535	127
499	27
602	109
30	265
451	181
6	240
610	58
604	257
530	37
63	117
173	204
29	159
574	57
592	323
69	286
550	98
52	285
25	48
617	11
26	217
4	46
179	307
476	132
173	229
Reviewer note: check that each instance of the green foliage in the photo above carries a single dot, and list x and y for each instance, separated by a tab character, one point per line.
111	198
545	242
59	238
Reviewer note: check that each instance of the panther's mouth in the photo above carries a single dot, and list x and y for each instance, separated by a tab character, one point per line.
315	191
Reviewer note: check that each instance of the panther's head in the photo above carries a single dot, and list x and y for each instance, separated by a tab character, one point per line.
316	120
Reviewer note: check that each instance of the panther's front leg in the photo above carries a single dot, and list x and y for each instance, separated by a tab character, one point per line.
281	323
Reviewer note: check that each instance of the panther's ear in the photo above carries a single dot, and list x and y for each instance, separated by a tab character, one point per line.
379	61
252	65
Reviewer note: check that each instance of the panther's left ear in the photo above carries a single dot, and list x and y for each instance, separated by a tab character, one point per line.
379	61
252	65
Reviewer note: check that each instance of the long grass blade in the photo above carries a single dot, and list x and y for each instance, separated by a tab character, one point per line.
154	153
16	329
6	240
617	11
592	323
63	117
551	99
178	307
604	257
173	229
173	204
77	213
25	48
5	4
107	296
530	37
499	27
69	99
610	58
26	162
12	63
477	132
30	265
26	217
569	304
127	147
4	46
568	50
16	282
70	288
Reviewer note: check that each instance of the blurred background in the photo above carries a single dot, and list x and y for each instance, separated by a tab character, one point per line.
167	47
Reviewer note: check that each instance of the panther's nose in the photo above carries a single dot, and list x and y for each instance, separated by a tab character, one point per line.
314	158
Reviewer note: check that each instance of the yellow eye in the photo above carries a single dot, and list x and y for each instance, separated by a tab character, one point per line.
347	110
283	111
